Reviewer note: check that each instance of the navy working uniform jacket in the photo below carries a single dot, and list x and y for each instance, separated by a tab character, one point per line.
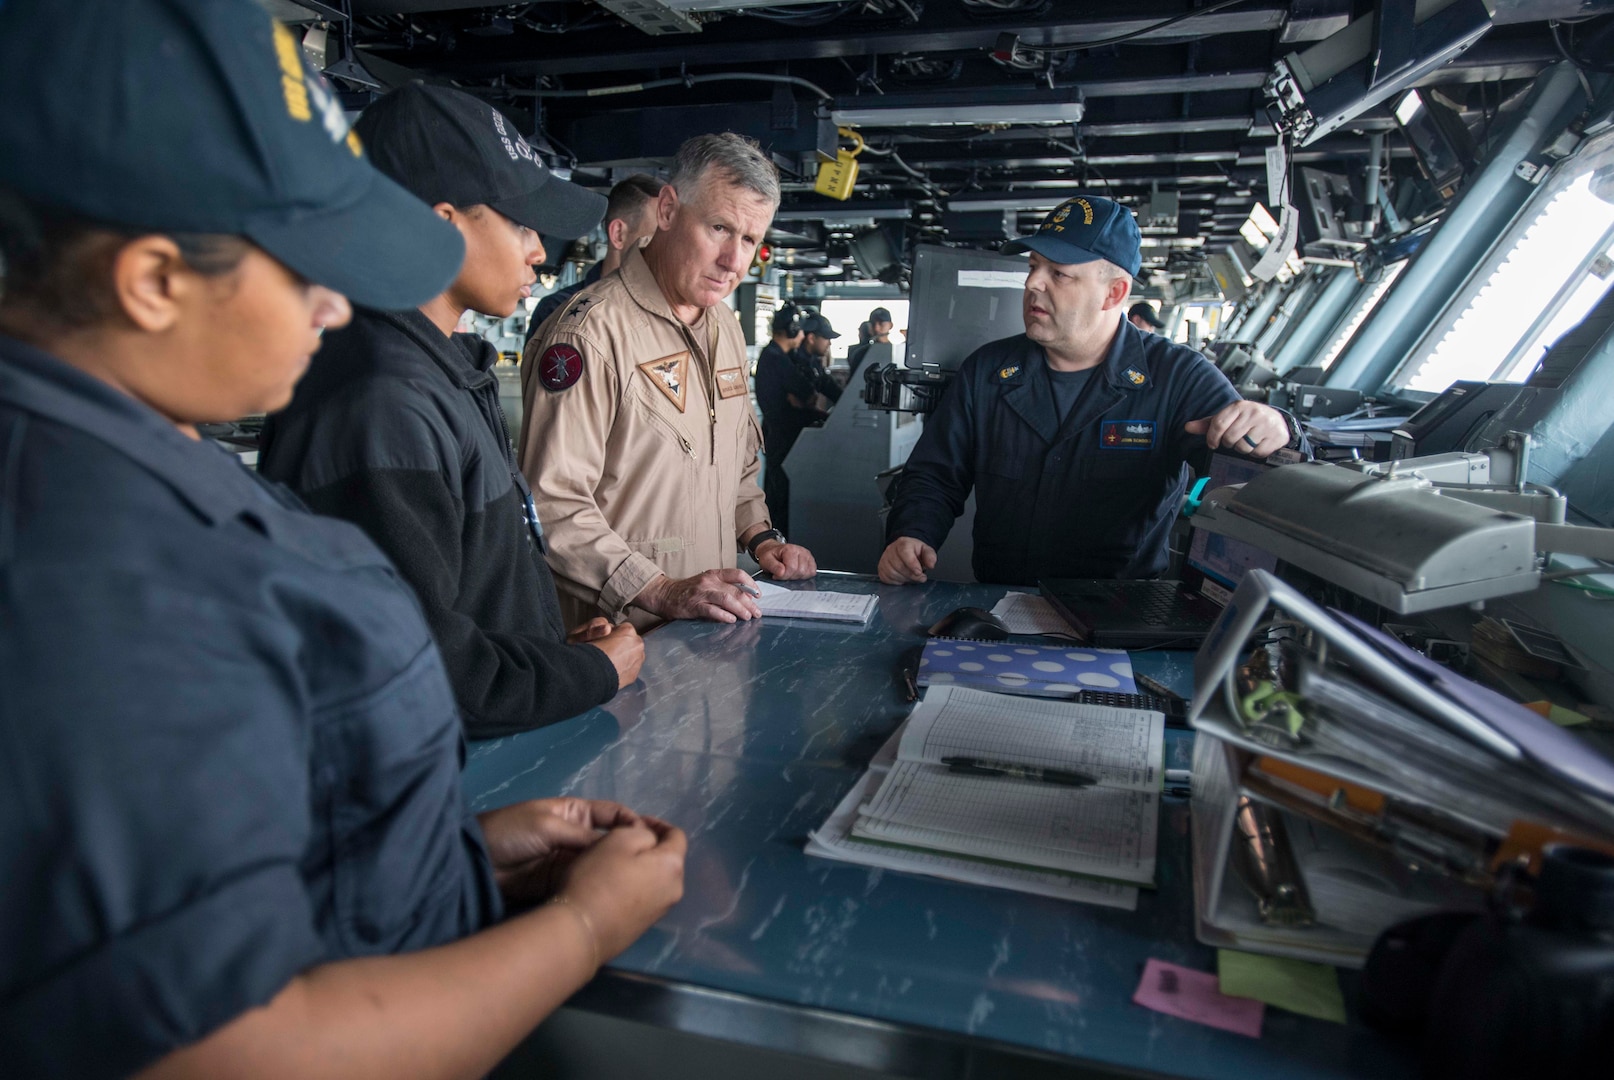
397	428
1091	497
228	750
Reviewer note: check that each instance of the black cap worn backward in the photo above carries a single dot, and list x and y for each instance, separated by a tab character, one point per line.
817	324
1085	228
1145	311
201	116
447	146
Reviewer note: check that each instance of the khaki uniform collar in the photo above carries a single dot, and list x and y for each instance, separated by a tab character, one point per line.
643	287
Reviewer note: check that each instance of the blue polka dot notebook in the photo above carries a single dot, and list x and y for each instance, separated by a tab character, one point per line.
1036	670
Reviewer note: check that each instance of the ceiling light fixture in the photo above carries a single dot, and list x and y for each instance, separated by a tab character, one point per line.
982	106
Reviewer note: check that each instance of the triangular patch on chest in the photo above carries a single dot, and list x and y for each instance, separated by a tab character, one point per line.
670	375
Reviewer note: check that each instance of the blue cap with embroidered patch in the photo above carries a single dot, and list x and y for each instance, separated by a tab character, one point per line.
201	116
1085	228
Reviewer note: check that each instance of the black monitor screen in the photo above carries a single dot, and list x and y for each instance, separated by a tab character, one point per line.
962	299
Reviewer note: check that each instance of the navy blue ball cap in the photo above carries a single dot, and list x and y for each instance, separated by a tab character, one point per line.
448	146
201	116
817	324
1084	228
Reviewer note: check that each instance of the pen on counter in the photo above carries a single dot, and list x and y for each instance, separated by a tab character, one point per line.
978	767
910	688
751	590
1179	776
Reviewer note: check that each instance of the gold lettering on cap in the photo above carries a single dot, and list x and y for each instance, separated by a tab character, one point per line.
1087	211
291	74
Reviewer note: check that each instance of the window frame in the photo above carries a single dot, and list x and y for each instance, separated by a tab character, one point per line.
1595	153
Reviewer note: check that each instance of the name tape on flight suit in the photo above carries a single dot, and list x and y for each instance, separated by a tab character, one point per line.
560	366
730	383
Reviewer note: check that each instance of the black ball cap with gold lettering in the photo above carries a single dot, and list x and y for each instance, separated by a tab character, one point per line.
447	146
1083	229
201	116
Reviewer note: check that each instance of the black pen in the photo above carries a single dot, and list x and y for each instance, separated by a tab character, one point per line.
978	767
910	687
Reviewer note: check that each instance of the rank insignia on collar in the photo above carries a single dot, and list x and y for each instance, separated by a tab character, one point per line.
560	366
670	375
1135	377
1009	372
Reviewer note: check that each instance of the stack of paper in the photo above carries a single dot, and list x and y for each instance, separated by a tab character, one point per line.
1028	613
914	812
780	602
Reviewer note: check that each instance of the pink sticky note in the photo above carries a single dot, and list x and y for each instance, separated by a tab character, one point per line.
1193	995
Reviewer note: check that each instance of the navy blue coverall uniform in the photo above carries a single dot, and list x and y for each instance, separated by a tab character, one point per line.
1090	497
228	747
780	375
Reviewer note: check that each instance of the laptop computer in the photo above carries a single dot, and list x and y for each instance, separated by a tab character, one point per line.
1112	614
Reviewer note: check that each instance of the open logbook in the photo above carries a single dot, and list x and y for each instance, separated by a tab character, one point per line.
1018	790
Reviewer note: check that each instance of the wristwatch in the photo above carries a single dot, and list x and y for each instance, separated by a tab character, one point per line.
1294	430
762	537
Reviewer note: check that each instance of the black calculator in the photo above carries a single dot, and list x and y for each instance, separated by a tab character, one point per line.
1176	709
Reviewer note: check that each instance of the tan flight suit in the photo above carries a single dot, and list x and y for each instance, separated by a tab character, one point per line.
628	485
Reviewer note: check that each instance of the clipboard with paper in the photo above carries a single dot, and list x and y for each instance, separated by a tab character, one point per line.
1353	733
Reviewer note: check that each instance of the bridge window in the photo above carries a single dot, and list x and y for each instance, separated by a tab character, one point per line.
1540	280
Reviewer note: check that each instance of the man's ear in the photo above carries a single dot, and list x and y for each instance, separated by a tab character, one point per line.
151	282
1120	291
666	207
616	234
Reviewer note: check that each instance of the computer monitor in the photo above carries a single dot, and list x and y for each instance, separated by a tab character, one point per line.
962	298
1457	419
1222	559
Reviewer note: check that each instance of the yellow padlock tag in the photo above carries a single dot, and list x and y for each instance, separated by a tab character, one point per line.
835	178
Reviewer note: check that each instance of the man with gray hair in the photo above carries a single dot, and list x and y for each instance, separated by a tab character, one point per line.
638	439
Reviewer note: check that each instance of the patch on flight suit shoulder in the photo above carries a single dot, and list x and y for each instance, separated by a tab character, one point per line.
670	375
1127	435
1009	372
730	383
1134	376
560	366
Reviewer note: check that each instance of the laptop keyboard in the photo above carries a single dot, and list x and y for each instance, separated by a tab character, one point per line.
1156	603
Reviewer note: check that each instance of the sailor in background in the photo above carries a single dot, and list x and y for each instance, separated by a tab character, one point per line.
1142	315
1075	434
630	220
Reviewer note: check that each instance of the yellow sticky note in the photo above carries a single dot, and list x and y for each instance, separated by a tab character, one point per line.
1295	985
1566	717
